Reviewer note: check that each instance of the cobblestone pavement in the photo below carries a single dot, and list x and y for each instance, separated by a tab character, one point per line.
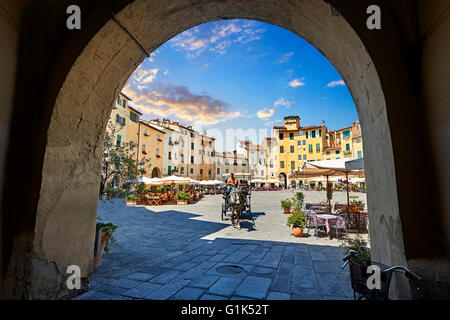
186	252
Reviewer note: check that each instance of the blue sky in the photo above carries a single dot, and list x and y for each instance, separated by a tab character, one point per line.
240	74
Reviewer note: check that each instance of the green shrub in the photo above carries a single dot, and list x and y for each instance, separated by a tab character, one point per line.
182	196
360	246
131	197
297	201
296	220
286	203
109	228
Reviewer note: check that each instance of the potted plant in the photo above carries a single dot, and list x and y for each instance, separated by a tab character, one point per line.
182	197
298	200
360	246
358	203
298	222
286	205
131	199
107	238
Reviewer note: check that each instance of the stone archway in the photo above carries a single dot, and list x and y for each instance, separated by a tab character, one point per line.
156	173
63	233
282	176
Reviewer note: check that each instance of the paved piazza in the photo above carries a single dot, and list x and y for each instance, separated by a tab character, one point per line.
186	252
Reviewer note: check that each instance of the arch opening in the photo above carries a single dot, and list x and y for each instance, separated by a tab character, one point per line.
69	184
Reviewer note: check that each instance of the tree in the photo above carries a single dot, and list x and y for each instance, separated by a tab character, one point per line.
119	167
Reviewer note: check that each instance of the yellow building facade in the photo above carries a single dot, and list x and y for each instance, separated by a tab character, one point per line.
294	145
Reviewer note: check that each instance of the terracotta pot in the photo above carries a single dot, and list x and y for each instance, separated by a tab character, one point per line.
287	210
298	232
98	258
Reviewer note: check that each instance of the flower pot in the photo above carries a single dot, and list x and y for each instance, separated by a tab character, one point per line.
182	201
98	258
298	232
287	210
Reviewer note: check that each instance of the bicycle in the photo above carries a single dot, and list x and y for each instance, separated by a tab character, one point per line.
359	276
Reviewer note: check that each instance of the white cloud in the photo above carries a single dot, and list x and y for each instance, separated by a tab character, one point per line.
285	58
217	39
297	83
179	102
143	76
265	113
283	102
336	83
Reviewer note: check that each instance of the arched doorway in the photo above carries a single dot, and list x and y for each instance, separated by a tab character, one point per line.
156	173
70	168
282	177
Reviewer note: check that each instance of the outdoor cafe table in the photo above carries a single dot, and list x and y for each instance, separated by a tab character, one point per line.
327	220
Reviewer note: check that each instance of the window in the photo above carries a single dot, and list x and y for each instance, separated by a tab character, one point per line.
182	170
304	157
119	139
358	140
282	164
300	133
131	145
124	103
292	165
270	149
347	147
145	131
304	142
359	154
328	153
299	143
157	152
134	117
143	148
310	148
182	158
262	172
281	149
201	172
313	134
227	171
346	133
291	135
118	100
209	173
299	157
292	149
192	146
338	152
218	170
170	155
169	169
319	133
317	147
192	171
271	163
281	136
192	159
182	143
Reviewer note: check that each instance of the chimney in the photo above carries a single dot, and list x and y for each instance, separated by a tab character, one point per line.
323	123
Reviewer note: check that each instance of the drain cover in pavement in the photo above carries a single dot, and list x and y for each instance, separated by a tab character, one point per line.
229	269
